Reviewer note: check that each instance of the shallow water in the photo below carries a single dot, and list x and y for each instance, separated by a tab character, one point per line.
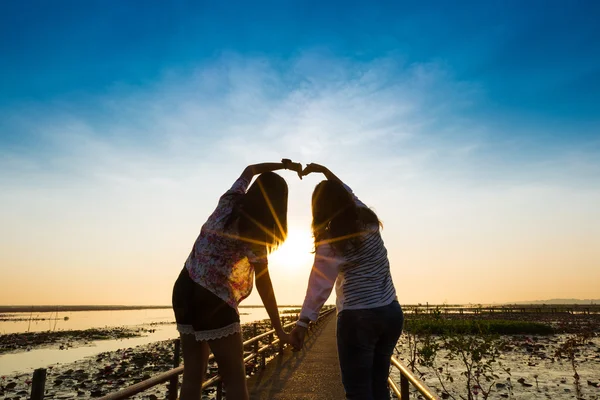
52	321
26	361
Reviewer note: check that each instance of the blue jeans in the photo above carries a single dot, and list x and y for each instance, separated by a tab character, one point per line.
366	340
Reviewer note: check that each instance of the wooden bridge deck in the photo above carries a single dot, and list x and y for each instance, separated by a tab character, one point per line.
312	373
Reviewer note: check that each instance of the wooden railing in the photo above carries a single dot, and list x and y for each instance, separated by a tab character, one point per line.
406	379
172	376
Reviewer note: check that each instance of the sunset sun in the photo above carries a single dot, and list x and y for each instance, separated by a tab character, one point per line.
296	252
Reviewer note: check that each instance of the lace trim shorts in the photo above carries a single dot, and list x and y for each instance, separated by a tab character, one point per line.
200	312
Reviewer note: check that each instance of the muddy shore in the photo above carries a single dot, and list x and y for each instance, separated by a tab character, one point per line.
26	341
528	366
110	371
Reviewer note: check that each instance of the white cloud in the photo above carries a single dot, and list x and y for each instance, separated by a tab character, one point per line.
135	171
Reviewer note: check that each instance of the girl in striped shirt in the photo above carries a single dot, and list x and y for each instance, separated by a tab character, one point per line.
349	252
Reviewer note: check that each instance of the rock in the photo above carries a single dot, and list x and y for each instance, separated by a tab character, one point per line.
11	385
522	382
594	384
500	385
83	375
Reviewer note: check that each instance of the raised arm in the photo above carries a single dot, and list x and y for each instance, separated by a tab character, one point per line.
256	169
314	167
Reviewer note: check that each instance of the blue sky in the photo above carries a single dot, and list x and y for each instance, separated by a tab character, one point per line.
460	121
539	57
535	65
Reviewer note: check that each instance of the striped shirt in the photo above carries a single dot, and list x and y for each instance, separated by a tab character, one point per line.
361	275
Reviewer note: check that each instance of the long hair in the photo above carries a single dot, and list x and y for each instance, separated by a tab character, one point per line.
262	212
336	218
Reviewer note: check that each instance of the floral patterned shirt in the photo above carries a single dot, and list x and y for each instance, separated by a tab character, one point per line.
219	261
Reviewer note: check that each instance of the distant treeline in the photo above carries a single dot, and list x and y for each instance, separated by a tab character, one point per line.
426	306
560	301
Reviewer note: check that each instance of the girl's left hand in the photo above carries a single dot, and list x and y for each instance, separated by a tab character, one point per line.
284	337
313	167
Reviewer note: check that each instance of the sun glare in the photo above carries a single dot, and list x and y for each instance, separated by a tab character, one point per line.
296	252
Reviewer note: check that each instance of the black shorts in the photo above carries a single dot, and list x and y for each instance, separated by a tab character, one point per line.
198	311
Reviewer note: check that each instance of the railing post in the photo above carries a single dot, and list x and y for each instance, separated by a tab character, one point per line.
38	384
256	346
403	387
255	334
280	342
174	382
220	390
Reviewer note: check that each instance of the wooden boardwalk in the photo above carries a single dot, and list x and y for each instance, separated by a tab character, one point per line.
312	373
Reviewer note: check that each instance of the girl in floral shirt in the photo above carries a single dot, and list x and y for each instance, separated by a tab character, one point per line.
230	251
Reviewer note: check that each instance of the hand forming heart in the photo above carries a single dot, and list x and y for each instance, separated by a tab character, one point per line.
309	169
293	166
313	167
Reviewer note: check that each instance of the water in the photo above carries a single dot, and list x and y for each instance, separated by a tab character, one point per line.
52	321
26	361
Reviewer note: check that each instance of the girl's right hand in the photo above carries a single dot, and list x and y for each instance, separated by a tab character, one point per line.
297	337
292	166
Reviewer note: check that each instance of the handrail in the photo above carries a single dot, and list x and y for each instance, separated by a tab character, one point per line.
174	373
406	378
144	385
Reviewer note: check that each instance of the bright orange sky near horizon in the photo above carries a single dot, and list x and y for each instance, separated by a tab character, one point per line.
77	248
